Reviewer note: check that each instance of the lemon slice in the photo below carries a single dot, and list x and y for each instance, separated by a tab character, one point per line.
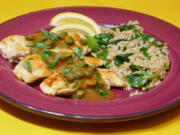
71	17
74	27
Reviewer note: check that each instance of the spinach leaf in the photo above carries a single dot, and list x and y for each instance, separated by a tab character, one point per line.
78	53
146	37
138	80
116	41
124	48
124	27
108	36
137	68
144	51
102	43
53	63
108	66
121	58
166	66
92	43
103	54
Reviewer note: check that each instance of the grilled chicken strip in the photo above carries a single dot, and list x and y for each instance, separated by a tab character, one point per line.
13	48
112	78
37	66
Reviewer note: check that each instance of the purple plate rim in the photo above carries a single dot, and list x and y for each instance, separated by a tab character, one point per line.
82	118
91	119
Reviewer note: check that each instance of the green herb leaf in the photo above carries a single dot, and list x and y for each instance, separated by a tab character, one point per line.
75	84
65	46
123	27
137	68
138	80
121	58
144	51
147	87
146	37
45	45
92	43
102	43
27	66
81	65
103	54
108	36
166	65
100	90
52	64
98	78
46	53
69	60
124	48
67	71
30	46
49	35
78	53
108	66
30	59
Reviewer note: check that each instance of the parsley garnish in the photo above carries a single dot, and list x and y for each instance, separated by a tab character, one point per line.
27	66
78	53
52	64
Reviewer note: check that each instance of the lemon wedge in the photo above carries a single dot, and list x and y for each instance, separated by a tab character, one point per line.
71	18
74	27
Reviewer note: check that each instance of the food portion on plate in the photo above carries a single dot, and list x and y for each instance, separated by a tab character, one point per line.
79	60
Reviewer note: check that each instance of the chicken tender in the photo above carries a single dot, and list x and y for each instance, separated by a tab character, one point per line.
94	61
55	85
112	78
13	48
38	69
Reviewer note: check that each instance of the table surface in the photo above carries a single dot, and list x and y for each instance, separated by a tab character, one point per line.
16	121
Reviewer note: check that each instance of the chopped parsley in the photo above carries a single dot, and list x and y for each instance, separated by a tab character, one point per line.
49	35
27	66
67	71
42	44
100	90
75	84
65	46
46	53
78	53
53	63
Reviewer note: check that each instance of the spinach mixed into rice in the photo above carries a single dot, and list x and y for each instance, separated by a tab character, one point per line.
137	57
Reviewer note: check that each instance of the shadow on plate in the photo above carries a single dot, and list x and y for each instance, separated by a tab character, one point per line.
159	120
